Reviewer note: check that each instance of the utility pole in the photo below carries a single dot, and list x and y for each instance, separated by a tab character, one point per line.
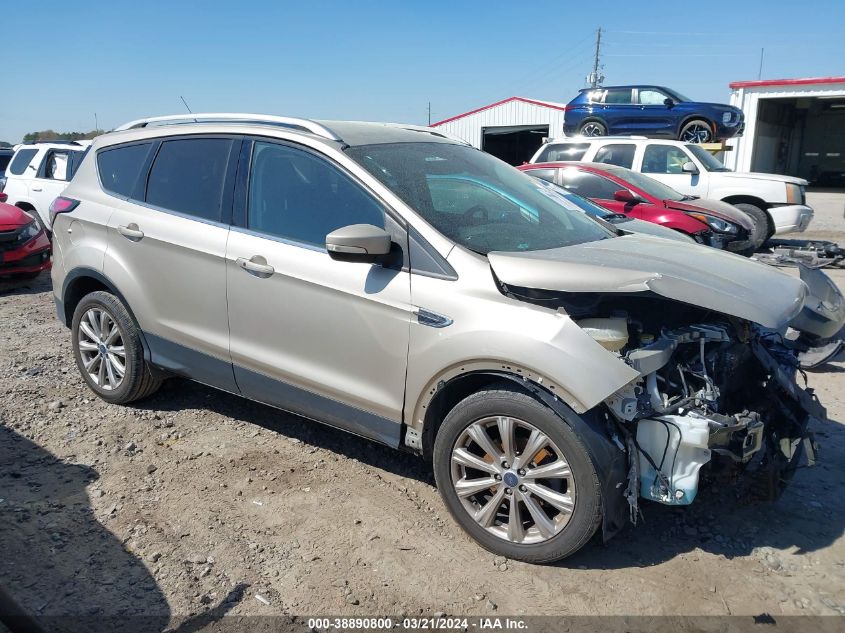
595	79
429	113
96	124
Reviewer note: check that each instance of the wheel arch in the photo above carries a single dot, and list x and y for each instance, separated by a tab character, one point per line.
81	282
696	117
753	200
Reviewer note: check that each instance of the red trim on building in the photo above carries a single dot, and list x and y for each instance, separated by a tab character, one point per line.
787	82
498	103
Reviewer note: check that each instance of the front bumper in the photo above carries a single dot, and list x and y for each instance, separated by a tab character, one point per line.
791	218
32	257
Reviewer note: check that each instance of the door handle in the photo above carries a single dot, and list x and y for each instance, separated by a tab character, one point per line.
37	189
131	232
256	265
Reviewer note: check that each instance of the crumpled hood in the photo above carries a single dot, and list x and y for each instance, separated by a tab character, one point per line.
693	274
12	217
759	176
716	208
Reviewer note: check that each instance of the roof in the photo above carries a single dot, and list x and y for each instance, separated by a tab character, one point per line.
537	102
806	81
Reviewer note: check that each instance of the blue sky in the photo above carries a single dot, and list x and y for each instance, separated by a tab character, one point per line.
362	59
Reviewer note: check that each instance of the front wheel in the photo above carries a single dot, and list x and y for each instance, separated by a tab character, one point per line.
763	226
696	131
516	477
107	346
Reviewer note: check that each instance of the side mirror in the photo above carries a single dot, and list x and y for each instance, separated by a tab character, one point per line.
623	195
358	243
689	168
669	102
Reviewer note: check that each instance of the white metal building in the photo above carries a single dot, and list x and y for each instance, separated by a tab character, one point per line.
792	126
511	129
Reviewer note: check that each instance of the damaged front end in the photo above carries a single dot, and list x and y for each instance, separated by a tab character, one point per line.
720	395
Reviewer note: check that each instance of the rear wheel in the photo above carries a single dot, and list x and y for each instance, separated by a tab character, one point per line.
696	131
107	346
593	128
516	477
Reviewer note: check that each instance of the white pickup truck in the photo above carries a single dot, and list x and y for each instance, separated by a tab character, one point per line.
778	201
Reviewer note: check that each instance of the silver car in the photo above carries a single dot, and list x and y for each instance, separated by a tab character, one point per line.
400	285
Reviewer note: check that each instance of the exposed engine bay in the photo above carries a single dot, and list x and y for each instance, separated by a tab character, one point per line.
719	395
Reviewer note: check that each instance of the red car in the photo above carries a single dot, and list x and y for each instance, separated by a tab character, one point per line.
24	245
621	190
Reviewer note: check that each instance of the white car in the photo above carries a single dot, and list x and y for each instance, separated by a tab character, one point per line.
39	172
779	201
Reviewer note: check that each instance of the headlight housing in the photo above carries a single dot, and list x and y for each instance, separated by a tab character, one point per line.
726	117
717	224
29	232
794	194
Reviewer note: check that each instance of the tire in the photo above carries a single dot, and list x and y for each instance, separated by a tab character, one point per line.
762	226
454	446
592	128
137	380
761	218
696	131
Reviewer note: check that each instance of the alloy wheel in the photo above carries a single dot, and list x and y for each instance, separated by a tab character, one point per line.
513	480
592	129
697	133
101	349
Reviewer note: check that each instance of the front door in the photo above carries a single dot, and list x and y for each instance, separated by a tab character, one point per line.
666	164
323	338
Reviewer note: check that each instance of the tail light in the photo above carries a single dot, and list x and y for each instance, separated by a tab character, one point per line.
62	205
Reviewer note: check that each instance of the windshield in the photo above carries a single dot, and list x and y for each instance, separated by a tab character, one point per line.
677	96
710	162
651	186
476	200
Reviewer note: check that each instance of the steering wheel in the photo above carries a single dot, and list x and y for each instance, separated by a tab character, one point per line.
472	212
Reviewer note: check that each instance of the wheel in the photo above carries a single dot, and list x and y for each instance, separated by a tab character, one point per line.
763	228
107	346
593	128
516	477
696	131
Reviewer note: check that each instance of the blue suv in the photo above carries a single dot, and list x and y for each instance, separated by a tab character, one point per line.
651	111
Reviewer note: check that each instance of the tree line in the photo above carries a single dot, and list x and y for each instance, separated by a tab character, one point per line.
52	135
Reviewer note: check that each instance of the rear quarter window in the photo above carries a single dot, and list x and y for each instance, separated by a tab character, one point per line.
621	154
563	151
120	167
21	161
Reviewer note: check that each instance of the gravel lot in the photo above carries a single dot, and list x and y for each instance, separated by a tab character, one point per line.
196	502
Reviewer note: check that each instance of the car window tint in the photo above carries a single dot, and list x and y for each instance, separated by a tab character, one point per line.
664	159
120	167
589	185
652	97
21	161
298	196
618	95
188	174
621	154
563	151
544	174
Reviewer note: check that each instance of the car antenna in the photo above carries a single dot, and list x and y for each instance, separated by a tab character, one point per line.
187	107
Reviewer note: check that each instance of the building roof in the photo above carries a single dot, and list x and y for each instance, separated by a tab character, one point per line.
537	102
806	81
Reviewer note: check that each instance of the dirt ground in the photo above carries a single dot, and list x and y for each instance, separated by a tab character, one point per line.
196	502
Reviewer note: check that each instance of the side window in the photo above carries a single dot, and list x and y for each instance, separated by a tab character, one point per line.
651	97
563	151
188	175
55	165
120	167
618	96
21	161
664	159
589	185
4	161
545	174
621	154
295	195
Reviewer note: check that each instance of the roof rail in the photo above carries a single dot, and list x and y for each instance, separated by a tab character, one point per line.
429	130
234	117
53	142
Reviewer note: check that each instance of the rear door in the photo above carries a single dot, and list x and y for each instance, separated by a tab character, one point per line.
323	338
619	111
167	243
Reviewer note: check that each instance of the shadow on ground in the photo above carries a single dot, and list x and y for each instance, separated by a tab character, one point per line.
60	569
809	516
